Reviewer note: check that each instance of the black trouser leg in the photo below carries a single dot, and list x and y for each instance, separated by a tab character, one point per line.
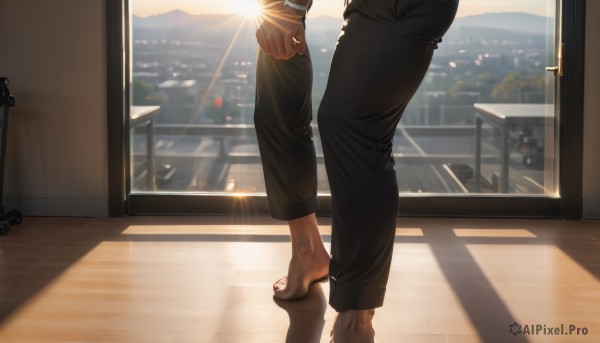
282	117
379	62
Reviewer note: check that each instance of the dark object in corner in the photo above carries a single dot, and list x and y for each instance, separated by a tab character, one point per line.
7	218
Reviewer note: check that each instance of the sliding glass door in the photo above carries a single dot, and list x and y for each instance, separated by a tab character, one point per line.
483	128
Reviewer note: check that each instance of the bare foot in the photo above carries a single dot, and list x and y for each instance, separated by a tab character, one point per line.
353	327
310	260
302	270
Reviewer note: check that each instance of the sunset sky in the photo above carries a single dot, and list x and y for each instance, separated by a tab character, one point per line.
333	7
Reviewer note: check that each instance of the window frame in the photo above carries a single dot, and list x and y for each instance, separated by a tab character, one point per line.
569	205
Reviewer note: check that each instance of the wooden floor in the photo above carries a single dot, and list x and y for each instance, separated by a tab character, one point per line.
208	279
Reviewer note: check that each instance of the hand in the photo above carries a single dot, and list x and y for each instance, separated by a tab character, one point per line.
281	35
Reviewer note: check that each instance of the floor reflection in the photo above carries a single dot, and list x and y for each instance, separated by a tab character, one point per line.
307	316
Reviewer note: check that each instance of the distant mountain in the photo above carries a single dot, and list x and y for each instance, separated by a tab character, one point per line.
212	28
177	25
323	31
509	21
178	19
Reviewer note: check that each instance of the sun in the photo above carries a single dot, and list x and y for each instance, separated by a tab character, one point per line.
250	9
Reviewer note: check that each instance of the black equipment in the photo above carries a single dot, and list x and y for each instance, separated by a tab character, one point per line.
7	218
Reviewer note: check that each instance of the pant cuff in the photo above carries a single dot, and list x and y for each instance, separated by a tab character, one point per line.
345	297
294	211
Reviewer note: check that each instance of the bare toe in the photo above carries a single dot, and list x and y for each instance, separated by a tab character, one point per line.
279	284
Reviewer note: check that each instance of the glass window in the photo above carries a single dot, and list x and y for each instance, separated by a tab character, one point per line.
483	120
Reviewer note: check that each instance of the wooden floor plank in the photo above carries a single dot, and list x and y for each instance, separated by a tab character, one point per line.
208	279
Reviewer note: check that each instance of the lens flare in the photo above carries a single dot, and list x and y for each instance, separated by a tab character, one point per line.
251	9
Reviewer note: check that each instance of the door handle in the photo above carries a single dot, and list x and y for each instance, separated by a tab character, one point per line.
558	70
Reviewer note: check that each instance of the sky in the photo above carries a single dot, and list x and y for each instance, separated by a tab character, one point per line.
333	7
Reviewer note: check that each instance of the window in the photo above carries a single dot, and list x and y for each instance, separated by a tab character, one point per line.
483	123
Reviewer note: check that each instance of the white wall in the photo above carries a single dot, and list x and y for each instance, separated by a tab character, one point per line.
591	164
54	54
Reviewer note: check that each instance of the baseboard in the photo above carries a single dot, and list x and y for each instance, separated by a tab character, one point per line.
58	206
591	209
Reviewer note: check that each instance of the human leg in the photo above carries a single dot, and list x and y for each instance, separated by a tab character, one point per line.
309	262
282	119
380	60
378	65
353	326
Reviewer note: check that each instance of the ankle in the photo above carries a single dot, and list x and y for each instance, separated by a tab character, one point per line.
354	326
302	249
362	318
305	236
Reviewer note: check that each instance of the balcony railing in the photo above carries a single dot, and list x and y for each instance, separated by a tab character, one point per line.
435	155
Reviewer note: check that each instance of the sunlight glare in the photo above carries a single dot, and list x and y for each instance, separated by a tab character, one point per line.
250	9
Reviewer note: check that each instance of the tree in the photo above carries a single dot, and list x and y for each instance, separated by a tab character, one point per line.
144	94
481	83
514	85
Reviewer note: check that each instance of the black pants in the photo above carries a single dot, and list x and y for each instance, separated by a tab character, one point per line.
282	117
381	58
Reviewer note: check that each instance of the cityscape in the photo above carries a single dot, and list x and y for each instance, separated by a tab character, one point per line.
200	71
